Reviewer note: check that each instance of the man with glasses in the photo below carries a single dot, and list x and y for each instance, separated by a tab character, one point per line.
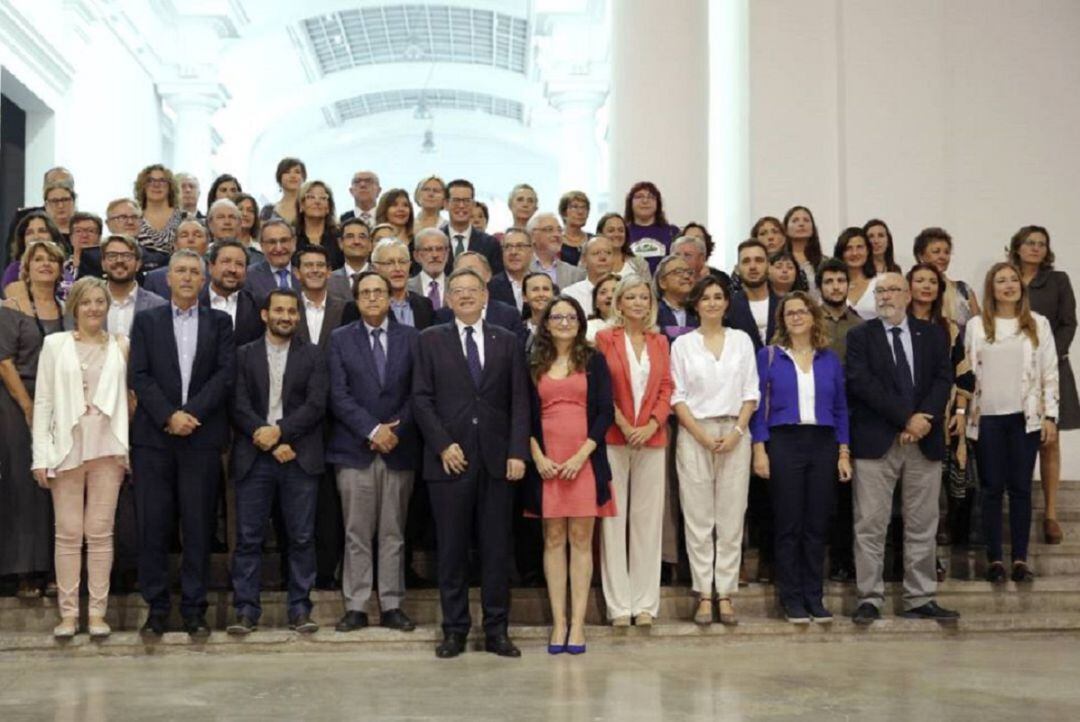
476	439
320	311
278	242
373	446
546	234
86	229
899	376
460	201
432	249
391	261
517	256
494	312
365	191
597	256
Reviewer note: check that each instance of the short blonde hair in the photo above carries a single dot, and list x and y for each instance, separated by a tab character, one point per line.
82	287
626	283
55	253
440	181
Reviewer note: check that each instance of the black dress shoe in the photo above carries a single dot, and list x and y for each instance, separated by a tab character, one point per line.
326	584
866	614
352	621
197	627
844	575
303	624
995	573
765	573
818	613
1022	574
154	626
931	610
796	614
397	619
242	626
452	645
501	645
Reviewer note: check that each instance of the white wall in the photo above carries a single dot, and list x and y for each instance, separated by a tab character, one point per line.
962	114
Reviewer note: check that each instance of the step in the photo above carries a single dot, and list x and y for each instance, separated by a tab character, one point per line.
530	606
532	639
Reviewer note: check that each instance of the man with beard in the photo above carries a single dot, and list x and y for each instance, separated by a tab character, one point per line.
122	219
123	259
226	291
279	404
517	255
832	281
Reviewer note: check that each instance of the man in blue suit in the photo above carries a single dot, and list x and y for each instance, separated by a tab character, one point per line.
470	398
460	201
181	367
278	242
373	445
495	312
191	233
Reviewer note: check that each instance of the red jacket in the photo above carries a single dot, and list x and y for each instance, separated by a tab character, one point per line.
657	400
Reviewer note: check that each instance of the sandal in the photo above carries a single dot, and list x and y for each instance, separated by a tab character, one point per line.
727	613
703	615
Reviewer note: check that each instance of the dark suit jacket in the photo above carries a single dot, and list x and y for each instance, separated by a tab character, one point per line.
154	376
331	320
423	312
476	241
490	423
248	325
156	282
500	289
359	402
303	401
90	263
741	317
878	412
499	314
261	281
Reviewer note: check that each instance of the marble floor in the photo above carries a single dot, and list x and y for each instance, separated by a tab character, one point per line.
982	679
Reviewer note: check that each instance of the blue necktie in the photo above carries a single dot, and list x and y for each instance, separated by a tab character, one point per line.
379	354
472	356
283	279
903	369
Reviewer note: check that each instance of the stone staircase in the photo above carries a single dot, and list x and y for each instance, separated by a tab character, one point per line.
1049	606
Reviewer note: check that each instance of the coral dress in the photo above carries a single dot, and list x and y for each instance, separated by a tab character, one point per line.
565	426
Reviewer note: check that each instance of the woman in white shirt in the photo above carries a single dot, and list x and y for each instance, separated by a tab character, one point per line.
716	391
1005	342
854	250
80	448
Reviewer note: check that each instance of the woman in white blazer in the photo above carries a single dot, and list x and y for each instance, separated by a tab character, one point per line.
80	448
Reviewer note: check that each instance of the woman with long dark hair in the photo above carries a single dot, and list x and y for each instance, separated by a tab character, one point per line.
569	479
854	250
878	235
802	234
648	229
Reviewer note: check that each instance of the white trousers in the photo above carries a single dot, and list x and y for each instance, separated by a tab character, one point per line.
713	489
632	585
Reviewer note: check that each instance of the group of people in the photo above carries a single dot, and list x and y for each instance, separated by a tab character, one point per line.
396	378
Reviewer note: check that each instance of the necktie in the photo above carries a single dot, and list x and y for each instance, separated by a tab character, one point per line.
903	369
283	279
460	247
433	295
379	354
366	217
472	355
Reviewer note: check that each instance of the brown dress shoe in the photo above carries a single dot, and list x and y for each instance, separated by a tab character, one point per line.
1052	531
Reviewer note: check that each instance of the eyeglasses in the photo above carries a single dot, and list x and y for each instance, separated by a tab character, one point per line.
643	196
563	319
796	313
363	181
460	201
124	218
679	272
120	256
157	181
316	199
465	292
891	289
397	262
91	231
372	293
432	249
60	201
276	242
516	247
547	229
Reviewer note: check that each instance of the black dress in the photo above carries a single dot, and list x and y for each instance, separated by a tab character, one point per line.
1052	296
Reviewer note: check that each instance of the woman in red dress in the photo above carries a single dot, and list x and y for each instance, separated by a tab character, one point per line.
569	480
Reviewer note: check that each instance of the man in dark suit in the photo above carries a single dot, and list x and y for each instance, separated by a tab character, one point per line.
753	310
391	261
476	438
320	311
278	242
191	233
494	312
373	446
279	403
365	190
460	201
899	375
181	367
517	256
226	290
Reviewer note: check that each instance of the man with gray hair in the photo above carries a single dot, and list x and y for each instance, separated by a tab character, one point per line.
494	312
189	193
192	234
546	233
692	250
597	258
223	219
365	189
431	250
390	258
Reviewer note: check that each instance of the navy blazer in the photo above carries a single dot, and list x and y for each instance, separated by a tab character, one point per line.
422	310
499	288
154	376
303	400
261	281
741	317
497	313
489	422
248	325
599	416
359	402
476	241
665	319
90	263
878	412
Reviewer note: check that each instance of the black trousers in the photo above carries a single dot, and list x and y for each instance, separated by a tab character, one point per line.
759	509
842	533
181	480
486	502
802	468
329	530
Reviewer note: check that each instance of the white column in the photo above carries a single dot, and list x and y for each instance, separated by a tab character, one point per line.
660	103
193	104
579	157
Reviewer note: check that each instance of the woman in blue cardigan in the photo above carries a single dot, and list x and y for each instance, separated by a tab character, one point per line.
800	435
569	482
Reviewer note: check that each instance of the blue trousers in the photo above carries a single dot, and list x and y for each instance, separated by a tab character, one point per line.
1006	454
297	491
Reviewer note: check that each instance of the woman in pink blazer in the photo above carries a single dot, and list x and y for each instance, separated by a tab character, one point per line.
637	357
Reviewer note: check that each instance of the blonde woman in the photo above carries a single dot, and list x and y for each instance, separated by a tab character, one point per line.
430	196
80	447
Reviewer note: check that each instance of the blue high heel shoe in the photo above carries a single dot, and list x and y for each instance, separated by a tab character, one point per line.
573	648
558	648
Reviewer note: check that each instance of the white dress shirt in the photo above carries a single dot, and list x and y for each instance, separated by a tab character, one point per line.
314	314
807	392
277	355
224	303
366	216
425	285
639	374
478	337
122	313
710	386
582	293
